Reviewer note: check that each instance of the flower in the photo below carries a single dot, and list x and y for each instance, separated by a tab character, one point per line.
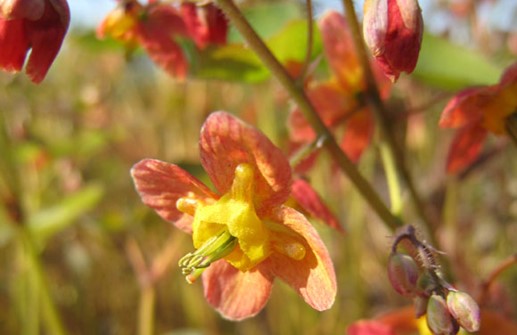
403	322
244	235
38	25
393	30
476	111
337	99
157	26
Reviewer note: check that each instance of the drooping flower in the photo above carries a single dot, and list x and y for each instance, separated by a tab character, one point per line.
36	25
244	234
336	100
157	27
476	111
393	30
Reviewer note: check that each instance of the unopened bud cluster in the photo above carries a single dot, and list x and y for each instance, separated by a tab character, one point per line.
446	308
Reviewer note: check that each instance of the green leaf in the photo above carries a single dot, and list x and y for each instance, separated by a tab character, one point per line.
266	18
49	221
237	62
452	67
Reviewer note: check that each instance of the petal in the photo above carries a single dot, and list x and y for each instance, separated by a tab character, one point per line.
369	327
235	294
205	23
510	75
156	33
465	107
46	36
13	43
161	184
227	142
340	51
22	9
311	202
358	134
312	277
402	320
465	147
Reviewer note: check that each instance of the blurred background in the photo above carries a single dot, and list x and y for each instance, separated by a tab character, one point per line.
77	246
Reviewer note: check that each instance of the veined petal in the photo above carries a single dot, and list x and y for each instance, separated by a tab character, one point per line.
465	107
465	147
156	33
161	184
235	294
313	276
46	36
340	51
311	202
227	142
358	134
205	23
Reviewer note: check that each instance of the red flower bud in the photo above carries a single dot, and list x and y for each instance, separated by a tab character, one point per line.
464	309
393	31
402	273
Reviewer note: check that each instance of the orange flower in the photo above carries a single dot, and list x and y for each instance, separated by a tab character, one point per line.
403	322
244	235
38	25
155	26
477	111
336	100
393	30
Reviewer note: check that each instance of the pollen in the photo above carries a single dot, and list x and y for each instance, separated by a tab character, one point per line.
187	205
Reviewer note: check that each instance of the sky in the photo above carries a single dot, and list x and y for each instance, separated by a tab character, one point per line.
502	15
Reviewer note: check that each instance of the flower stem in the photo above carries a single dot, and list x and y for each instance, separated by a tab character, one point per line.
379	110
51	316
276	68
486	284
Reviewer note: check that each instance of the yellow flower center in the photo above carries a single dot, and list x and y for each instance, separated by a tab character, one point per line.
229	228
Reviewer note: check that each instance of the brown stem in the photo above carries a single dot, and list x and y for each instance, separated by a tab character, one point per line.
487	283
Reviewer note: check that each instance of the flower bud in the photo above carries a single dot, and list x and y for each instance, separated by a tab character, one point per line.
402	273
420	304
439	320
393	30
464	309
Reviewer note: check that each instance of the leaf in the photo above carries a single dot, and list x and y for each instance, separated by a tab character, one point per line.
239	63
266	18
49	221
451	67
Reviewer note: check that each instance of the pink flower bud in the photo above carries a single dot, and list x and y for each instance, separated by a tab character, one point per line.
439	320
402	273
393	31
464	309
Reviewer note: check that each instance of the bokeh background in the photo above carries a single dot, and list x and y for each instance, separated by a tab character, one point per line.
87	242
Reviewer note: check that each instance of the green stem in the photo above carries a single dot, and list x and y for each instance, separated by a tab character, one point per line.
53	323
146	310
272	63
379	110
310	38
392	179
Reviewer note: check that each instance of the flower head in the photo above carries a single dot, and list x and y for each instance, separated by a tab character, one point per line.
157	27
337	99
244	234
36	25
475	112
393	31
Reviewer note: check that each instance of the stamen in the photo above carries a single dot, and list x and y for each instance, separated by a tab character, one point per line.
292	250
242	186
187	205
193	264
